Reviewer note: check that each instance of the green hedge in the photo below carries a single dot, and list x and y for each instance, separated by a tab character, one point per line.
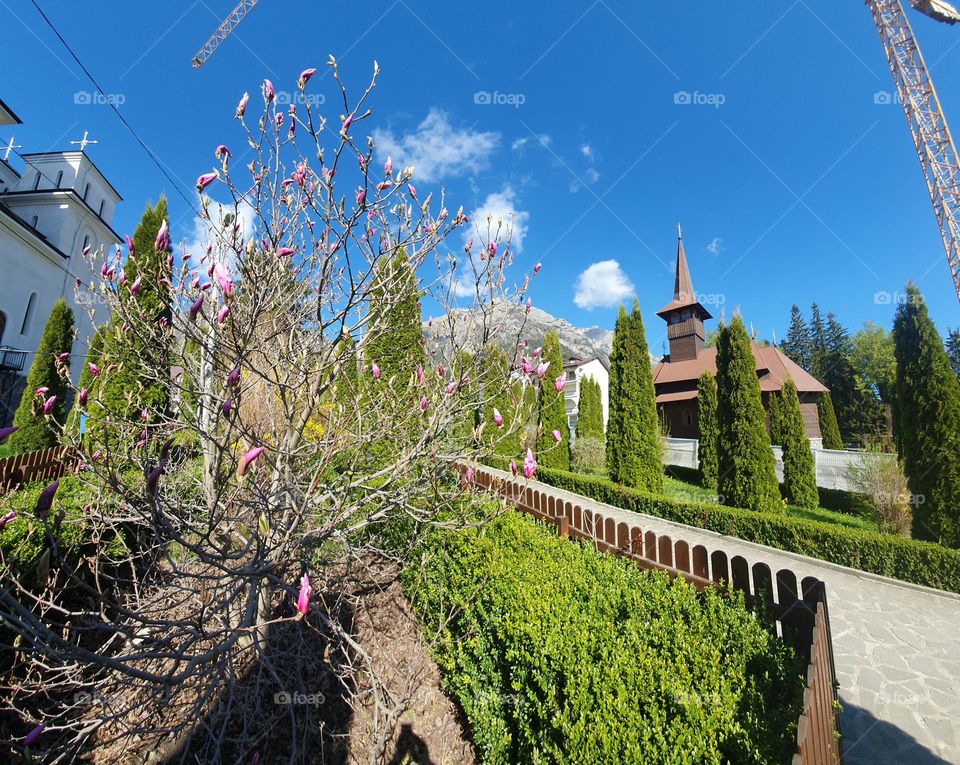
560	654
907	559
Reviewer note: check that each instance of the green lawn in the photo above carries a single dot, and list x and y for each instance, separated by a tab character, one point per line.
681	490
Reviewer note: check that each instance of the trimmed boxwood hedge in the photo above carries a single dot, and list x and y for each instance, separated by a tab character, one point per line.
909	560
557	653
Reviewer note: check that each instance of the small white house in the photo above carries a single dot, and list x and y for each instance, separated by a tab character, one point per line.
51	208
577	370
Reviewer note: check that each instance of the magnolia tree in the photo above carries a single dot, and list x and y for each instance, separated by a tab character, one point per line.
286	461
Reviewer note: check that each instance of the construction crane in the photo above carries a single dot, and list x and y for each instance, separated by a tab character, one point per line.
223	31
925	118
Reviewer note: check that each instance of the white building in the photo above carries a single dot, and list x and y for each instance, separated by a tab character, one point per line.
577	370
56	204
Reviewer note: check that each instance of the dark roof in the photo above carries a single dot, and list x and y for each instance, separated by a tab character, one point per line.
684	295
10	111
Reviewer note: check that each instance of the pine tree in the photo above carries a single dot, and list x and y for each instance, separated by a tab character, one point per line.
829	431
552	408
857	408
707	419
953	350
928	397
798	345
499	393
36	430
140	379
818	344
87	381
590	410
775	414
747	468
799	477
397	344
633	427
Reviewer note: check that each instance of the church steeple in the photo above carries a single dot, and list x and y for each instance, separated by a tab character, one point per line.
684	314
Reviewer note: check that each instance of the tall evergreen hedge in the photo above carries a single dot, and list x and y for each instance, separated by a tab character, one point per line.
799	476
552	408
36	430
590	410
709	430
501	394
633	427
928	397
829	430
87	381
397	343
747	468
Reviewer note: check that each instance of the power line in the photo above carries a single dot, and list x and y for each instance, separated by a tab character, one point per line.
109	102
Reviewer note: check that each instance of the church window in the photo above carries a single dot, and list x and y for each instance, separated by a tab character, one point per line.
59	178
33	221
687	417
36	181
28	314
86	190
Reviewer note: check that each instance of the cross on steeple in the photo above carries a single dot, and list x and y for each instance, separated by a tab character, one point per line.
83	141
8	148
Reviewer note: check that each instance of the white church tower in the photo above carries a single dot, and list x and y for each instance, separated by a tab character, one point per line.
53	207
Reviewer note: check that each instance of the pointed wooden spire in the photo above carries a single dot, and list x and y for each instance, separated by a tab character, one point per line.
682	283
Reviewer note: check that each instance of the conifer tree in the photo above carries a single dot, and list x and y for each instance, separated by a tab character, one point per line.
747	468
633	426
552	408
499	394
799	477
953	350
857	408
818	343
776	418
707	418
798	344
590	410
140	378
829	430
36	430
397	347
928	397
87	381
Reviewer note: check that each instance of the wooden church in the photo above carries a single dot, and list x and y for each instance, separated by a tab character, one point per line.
675	377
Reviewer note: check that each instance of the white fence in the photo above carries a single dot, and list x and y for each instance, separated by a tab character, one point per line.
831	466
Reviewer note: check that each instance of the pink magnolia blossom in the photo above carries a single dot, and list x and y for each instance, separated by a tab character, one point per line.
153	479
526	366
558	383
5	433
223	313
375	371
45	500
224	278
222	152
49	404
206	179
285	251
135	287
41	391
492	249
129	241
305	76
423	403
441	370
419	374
163	237
8	518
542	368
234	377
529	465
33	736
225	408
268	92
412	190
450	388
361	197
196	306
556	435
94	369
242	106
513	468
347	122
247	459
468	475
388	166
82	396
86	251
529	305
536	351
303	598
536	268
497	417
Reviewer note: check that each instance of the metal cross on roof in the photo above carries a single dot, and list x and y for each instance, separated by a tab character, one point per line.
83	141
8	148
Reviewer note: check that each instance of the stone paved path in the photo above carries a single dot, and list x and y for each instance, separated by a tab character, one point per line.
896	649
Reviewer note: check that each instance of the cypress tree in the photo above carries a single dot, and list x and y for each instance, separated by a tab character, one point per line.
633	426
397	345
499	393
775	413
928	397
799	478
87	380
829	429
707	419
139	380
590	410
552	408
798	344
36	430
953	350
747	468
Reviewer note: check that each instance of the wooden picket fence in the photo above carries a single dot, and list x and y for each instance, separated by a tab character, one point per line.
44	465
799	607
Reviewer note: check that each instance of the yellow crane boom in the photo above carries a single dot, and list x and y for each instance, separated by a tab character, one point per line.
925	118
223	31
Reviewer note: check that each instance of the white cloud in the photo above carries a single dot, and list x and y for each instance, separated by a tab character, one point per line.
436	149
586	150
716	246
500	205
203	232
602	285
542	139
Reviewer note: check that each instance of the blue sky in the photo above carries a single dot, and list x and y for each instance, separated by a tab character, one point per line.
793	184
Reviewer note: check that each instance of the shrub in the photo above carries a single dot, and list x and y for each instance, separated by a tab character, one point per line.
829	429
884	485
552	408
707	420
909	560
557	653
590	410
799	478
587	454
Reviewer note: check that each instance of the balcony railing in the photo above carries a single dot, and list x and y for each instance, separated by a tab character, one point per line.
12	359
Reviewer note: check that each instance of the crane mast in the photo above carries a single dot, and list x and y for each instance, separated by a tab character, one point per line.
223	31
925	118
